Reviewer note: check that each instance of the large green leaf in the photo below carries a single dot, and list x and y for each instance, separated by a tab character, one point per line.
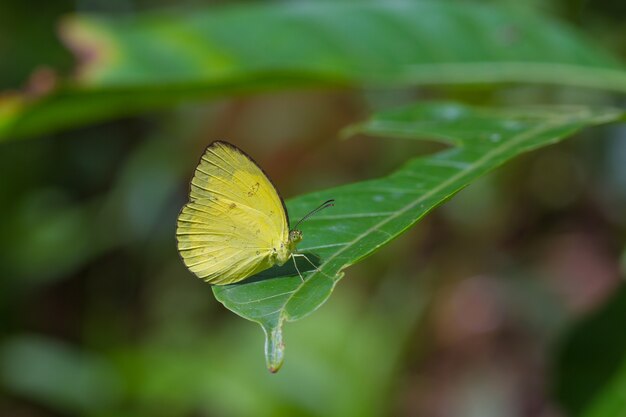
134	64
369	214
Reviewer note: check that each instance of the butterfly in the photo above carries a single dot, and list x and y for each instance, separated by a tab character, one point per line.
235	224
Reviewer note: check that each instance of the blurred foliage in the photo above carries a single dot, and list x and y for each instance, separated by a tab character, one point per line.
128	64
18	22
177	371
485	309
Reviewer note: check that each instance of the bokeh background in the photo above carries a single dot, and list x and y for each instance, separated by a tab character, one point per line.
506	301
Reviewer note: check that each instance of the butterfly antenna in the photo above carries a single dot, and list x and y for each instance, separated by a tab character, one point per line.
325	204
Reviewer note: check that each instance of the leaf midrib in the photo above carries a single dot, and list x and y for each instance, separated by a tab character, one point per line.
471	167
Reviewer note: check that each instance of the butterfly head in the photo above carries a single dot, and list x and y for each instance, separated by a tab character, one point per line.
283	252
295	236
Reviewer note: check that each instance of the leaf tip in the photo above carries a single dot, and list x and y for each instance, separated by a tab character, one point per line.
274	348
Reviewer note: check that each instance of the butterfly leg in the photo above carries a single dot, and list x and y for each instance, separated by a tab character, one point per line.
308	260
296	265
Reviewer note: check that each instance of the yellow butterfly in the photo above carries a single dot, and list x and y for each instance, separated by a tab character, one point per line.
235	224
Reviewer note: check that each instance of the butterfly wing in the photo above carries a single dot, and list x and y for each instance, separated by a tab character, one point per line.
234	219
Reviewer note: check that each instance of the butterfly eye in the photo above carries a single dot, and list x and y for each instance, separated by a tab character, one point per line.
295	236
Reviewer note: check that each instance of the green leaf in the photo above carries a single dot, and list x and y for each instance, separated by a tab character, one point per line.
369	214
611	401
591	363
128	65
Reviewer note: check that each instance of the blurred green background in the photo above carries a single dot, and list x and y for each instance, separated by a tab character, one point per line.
507	301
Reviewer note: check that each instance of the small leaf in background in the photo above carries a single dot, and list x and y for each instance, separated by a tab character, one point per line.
611	400
591	363
369	214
